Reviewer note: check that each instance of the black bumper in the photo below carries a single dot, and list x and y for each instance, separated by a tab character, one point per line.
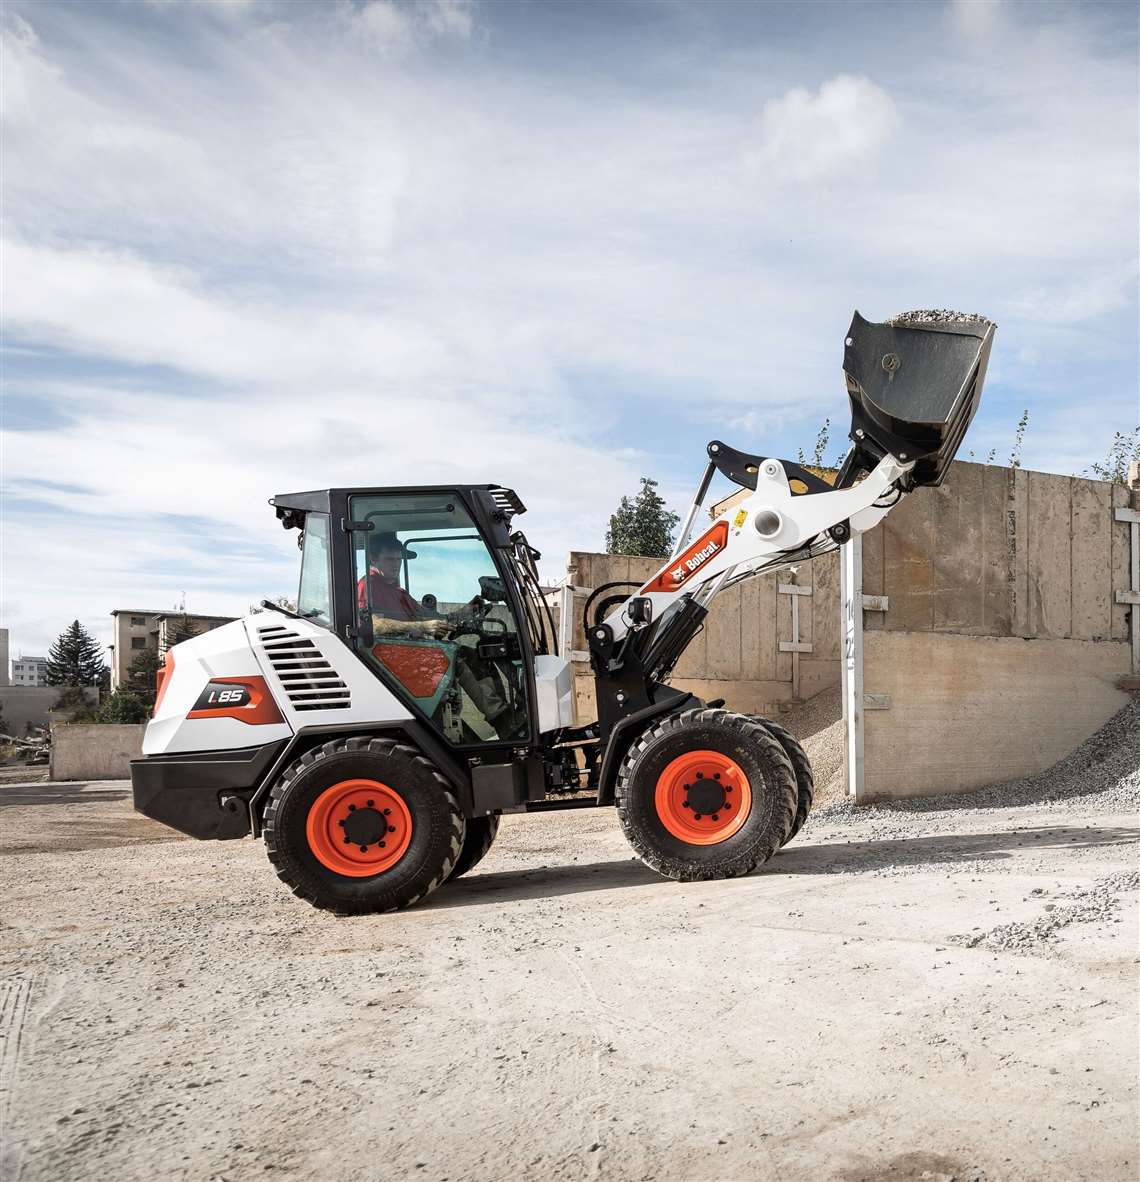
205	794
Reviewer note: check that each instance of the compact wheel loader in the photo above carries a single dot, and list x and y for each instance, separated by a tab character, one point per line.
375	735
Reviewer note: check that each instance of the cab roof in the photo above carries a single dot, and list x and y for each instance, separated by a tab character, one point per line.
320	500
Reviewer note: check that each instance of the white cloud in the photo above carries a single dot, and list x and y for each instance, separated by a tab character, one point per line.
337	262
839	127
394	28
977	20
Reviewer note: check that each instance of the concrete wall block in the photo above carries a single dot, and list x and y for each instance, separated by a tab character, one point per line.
1050	555
92	752
1017	541
908	568
723	632
1092	559
873	546
826	608
783	614
1120	533
968	711
998	556
957	515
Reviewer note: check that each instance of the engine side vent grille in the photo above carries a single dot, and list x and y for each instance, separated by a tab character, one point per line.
309	681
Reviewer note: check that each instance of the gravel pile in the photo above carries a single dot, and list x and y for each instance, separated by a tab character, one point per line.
926	317
1096	903
818	724
1104	772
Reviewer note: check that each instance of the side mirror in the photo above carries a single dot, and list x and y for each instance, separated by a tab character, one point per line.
430	602
492	589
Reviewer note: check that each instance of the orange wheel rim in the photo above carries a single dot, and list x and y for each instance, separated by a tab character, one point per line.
703	797
359	828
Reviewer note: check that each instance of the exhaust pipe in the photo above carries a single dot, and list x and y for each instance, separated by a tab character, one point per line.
914	382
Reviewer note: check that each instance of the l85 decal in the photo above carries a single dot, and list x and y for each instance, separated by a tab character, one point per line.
219	694
245	698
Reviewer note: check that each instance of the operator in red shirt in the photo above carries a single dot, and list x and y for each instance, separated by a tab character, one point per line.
388	599
393	610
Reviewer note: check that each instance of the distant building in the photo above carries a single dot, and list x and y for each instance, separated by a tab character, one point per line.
4	679
136	630
29	670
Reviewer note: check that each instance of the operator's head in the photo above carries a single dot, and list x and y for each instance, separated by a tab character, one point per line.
386	553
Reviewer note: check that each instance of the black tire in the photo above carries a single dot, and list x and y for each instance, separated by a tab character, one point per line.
480	833
805	781
437	826
758	754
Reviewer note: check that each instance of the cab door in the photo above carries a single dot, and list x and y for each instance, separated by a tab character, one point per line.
436	617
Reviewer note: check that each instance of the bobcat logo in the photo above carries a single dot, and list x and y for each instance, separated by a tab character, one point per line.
697	555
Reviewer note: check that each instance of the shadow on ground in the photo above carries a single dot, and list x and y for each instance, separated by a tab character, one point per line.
844	857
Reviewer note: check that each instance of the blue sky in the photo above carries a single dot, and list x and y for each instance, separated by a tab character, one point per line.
252	247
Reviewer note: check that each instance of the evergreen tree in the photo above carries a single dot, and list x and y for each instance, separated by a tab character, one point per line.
642	526
141	676
76	658
73	702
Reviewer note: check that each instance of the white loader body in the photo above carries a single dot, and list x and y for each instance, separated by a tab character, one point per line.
312	678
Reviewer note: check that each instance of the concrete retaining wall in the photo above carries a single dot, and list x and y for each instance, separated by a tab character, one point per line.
91	752
1002	644
967	711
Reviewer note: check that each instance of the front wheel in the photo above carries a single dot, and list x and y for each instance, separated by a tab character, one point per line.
363	824
706	794
805	781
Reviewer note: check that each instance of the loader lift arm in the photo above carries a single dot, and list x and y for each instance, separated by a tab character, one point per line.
914	385
634	649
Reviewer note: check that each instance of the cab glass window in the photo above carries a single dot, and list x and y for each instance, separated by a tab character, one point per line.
314	597
437	611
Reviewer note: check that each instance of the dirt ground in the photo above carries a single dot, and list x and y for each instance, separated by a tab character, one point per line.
853	1011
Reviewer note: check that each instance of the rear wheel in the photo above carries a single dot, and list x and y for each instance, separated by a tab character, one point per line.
706	794
480	833
805	781
362	825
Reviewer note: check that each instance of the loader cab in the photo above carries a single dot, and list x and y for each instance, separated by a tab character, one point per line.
420	583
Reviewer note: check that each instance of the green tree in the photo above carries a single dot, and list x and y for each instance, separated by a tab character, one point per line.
642	526
76	658
141	677
122	707
1122	451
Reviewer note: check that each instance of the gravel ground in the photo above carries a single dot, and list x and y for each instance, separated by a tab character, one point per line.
1103	773
867	1007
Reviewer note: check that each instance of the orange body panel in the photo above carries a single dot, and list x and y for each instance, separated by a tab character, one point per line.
162	680
706	547
418	668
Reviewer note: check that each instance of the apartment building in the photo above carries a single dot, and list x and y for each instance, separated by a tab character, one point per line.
29	670
138	629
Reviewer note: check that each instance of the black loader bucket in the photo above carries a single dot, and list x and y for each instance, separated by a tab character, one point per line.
914	384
